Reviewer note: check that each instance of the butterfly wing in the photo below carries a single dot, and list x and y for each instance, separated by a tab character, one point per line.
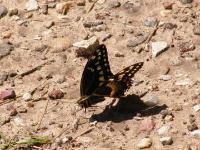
120	82
96	71
127	73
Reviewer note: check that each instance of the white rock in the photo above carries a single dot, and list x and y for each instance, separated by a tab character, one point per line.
158	47
37	37
151	100
164	130
165	77
31	5
166	140
93	123
101	1
144	143
27	96
184	82
86	44
19	121
196	133
196	107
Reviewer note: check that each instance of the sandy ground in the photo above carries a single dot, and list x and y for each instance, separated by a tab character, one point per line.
119	127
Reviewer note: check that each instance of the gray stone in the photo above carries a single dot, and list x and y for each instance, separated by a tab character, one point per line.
32	5
196	30
115	4
92	23
137	40
5	50
150	22
131	7
3	11
186	1
158	47
3	77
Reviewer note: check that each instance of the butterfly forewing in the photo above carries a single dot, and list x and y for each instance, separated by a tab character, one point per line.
96	71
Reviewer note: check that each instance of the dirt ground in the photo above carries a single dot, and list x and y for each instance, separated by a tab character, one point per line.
38	38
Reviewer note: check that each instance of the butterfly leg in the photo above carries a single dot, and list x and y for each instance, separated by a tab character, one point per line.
109	106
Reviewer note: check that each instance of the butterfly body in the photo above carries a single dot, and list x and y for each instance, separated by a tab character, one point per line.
98	81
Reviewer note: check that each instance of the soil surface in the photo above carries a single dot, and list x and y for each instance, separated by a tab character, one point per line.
39	63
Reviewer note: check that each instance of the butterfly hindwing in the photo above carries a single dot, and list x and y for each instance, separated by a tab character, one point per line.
96	71
128	72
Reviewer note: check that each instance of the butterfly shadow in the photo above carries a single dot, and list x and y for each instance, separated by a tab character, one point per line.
126	108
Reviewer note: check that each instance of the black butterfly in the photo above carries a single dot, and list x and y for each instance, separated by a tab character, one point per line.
98	81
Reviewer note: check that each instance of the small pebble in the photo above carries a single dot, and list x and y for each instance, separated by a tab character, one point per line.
63	8
186	1
13	112
165	77
13	12
7	94
168	5
150	22
80	2
164	130
6	34
158	47
144	143
165	13
168	118
3	11
196	107
19	121
56	94
114	3
31	5
195	133
196	30
27	96
147	124
44	9
192	126
166	140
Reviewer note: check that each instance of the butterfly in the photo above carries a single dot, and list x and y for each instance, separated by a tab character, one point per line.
98	81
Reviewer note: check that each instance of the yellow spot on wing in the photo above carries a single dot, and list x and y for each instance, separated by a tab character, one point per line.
100	84
93	57
101	72
97	63
98	67
101	78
